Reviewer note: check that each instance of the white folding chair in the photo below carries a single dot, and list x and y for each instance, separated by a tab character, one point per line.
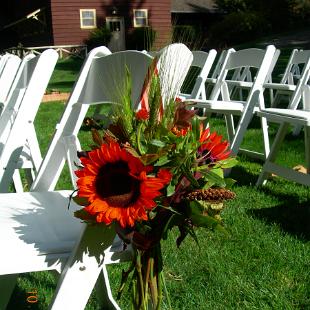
244	74
173	63
287	117
19	147
204	62
262	60
289	80
290	77
10	64
101	80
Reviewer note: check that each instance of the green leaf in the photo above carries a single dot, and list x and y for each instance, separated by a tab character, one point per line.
227	163
84	215
196	127
174	220
162	161
204	220
147	159
82	201
157	143
170	189
229	182
215	176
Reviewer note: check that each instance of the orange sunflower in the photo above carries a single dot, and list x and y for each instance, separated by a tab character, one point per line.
212	146
117	186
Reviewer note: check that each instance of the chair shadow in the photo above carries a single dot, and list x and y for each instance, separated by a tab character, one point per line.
293	218
61	85
290	214
20	294
243	176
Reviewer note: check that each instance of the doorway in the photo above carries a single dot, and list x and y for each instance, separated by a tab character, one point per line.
117	28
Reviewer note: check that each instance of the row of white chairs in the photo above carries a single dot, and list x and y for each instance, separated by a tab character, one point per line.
234	72
37	232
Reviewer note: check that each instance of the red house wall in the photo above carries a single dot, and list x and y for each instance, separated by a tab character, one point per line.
66	18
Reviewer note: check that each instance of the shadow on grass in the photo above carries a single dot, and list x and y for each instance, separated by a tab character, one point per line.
243	176
61	85
291	216
21	292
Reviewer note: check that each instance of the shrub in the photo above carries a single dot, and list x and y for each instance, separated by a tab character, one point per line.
190	35
141	38
98	37
238	27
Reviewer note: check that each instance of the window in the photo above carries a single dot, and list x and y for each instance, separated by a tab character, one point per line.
140	18
88	18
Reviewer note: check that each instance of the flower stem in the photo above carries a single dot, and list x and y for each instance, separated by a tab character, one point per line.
165	289
140	279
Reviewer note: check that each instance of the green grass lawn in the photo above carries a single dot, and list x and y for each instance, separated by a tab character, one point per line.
264	262
65	74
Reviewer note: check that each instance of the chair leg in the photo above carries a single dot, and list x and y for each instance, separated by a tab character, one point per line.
230	127
103	291
18	185
240	131
7	284
264	125
82	270
307	148
273	153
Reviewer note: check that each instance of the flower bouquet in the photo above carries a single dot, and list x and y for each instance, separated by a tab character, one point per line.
154	168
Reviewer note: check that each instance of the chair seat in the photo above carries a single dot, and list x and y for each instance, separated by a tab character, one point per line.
35	238
220	106
289	115
211	80
31	235
242	84
279	86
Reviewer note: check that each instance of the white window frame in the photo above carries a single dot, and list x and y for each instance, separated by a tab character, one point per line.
81	19
135	18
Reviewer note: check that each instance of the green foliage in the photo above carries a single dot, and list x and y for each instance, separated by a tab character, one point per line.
189	35
301	8
183	33
229	6
245	19
98	37
238	27
141	38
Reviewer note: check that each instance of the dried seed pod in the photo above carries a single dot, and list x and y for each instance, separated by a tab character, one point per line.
211	194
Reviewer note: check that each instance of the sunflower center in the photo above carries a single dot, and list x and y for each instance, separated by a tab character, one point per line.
115	185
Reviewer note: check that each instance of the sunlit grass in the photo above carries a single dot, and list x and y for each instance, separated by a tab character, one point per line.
264	262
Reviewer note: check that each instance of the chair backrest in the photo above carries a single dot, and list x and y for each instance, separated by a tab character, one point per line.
3	61
173	64
293	67
33	82
7	76
203	61
302	87
259	59
101	80
15	96
219	64
295	64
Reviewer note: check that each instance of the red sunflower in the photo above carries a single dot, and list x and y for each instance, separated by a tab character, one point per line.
117	186
212	146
